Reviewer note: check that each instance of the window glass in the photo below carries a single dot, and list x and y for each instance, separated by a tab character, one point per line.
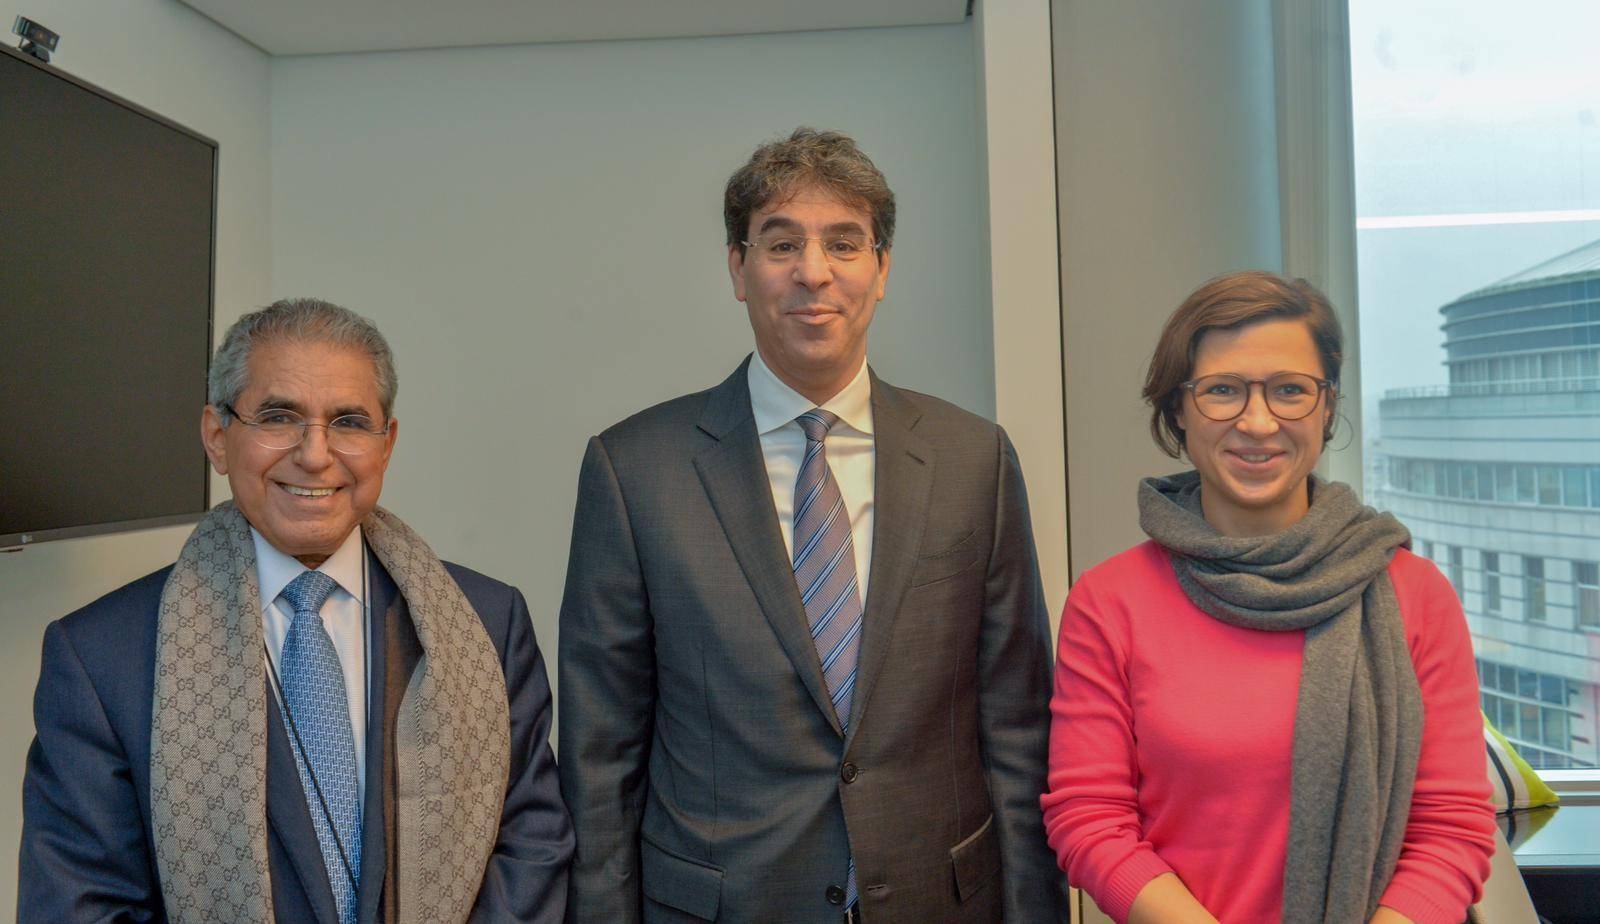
1572	487
1549	486
1586	589
1477	181
1533	589
1525	484
1491	583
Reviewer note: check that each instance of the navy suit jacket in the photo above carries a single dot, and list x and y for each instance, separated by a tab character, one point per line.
87	850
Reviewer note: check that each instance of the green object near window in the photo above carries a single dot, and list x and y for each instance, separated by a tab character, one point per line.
1516	785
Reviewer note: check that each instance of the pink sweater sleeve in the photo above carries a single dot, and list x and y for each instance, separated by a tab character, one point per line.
1090	814
1450	832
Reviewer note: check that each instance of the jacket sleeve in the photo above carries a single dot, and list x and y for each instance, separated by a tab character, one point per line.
1013	700
84	855
607	688
1091	811
526	878
1444	857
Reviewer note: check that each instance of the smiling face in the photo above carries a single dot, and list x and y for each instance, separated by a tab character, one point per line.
1253	469
810	316
307	499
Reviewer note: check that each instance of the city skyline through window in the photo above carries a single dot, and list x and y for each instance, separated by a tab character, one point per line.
1477	168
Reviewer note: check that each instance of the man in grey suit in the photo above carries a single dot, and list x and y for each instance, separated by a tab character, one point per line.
804	669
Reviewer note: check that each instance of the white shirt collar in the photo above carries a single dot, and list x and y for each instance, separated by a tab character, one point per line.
275	570
775	404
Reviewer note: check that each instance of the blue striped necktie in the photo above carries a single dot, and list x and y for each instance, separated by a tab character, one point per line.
825	570
324	746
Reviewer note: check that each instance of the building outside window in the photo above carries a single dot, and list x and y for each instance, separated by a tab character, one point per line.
1477	168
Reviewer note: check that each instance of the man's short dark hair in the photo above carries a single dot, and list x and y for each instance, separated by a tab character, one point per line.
808	158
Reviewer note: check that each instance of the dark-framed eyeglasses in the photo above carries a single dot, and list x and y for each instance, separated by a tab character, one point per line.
782	249
1289	395
278	428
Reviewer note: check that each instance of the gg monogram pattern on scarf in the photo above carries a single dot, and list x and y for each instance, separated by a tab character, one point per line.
208	733
208	730
453	740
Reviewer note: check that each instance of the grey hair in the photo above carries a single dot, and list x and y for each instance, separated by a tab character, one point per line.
298	320
808	157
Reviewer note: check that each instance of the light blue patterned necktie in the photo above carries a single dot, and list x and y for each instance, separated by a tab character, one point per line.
825	570
324	745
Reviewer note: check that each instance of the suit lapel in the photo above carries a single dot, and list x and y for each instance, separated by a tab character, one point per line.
734	474
290	818
902	485
383	605
403	654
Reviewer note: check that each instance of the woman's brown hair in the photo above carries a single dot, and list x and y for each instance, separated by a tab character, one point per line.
1230	302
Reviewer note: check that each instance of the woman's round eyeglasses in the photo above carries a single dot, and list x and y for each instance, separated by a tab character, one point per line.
1289	395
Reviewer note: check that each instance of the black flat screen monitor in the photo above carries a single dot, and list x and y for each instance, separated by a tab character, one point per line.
107	240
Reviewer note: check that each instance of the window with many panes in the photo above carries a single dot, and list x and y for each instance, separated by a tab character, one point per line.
1533	710
1502	482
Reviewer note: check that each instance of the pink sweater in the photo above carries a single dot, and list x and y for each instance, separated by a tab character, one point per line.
1171	738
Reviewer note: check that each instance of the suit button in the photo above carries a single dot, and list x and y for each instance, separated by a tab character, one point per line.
849	772
835	895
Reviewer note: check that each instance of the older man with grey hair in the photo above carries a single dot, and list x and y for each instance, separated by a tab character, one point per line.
309	716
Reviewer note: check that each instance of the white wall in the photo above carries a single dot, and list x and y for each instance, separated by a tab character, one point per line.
168	58
1167	159
537	229
1019	153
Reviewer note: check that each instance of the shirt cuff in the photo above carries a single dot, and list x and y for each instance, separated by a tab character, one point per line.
1125	882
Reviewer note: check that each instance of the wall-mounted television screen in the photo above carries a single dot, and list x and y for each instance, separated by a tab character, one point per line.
107	236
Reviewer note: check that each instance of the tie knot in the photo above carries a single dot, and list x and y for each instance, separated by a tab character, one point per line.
308	592
817	422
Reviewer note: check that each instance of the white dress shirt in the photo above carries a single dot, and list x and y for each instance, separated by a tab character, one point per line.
344	616
850	451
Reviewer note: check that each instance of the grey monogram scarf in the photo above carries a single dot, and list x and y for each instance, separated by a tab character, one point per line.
1358	722
208	735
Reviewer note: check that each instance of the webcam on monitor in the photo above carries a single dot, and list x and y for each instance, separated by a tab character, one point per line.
36	39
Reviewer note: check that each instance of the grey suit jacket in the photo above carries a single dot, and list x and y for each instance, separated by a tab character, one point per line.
706	773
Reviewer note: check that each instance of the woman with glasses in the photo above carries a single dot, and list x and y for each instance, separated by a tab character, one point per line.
1269	711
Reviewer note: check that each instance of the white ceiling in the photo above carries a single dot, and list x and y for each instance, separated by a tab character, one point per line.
300	27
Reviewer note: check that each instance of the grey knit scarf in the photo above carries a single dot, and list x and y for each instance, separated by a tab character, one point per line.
1358	723
208	733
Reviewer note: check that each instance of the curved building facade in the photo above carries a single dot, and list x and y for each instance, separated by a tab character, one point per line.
1498	477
